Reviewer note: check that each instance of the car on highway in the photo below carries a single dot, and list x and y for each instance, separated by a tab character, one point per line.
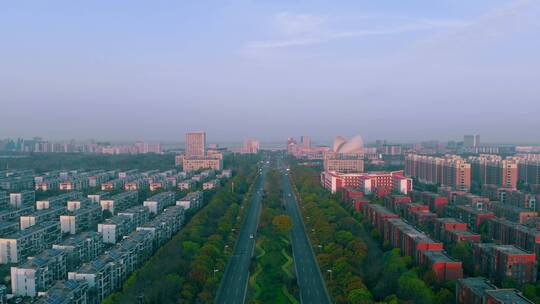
251	236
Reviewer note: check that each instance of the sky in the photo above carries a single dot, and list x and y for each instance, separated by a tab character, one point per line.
152	70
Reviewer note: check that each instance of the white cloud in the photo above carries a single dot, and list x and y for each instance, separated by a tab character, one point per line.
306	29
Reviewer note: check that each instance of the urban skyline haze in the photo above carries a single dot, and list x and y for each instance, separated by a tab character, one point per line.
130	70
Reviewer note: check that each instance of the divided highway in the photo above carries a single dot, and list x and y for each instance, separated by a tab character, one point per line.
234	282
312	286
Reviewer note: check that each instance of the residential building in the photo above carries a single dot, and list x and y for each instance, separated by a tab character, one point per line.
119	202
114	229
195	144
191	200
137	215
494	170
80	248
38	273
444	267
50	214
209	185
85	218
22	198
66	292
195	163
471	216
18	246
160	201
450	170
500	262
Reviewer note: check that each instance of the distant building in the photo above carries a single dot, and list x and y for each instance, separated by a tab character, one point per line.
471	141
195	144
377	183
494	170
450	170
347	156
251	146
198	163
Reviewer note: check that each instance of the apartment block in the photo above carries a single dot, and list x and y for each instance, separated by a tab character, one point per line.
409	240
469	215
8	227
511	233
66	292
119	202
441	226
165	225
99	275
512	213
160	201
444	267
494	170
377	215
97	197
197	163
38	273
209	185
22	198
59	200
450	170
51	214
137	215
500	262
17	247
114	229
191	200
81	248
82	219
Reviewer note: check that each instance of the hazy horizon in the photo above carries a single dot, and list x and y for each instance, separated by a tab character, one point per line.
138	70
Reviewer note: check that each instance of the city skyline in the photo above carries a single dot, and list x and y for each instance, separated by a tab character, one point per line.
117	71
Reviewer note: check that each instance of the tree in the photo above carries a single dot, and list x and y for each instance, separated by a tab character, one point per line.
283	223
444	296
410	287
359	296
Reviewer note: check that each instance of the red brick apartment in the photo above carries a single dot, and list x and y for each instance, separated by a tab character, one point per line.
499	262
444	267
478	290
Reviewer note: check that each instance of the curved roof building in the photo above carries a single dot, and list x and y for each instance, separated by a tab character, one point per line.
354	145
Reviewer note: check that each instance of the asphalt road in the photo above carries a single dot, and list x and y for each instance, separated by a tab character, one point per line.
310	281
234	283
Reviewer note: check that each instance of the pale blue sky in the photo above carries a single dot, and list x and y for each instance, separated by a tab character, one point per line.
400	70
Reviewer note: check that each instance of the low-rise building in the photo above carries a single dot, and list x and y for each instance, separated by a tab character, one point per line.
409	240
50	214
100	276
137	215
471	216
191	200
22	198
195	163
82	219
81	248
59	200
211	184
512	213
160	201
17	247
120	201
114	229
66	292
444	267
38	273
500	262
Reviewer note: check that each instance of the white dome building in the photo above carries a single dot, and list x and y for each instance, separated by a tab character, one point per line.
354	145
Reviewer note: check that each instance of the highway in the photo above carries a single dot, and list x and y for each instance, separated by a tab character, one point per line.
234	283
312	286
